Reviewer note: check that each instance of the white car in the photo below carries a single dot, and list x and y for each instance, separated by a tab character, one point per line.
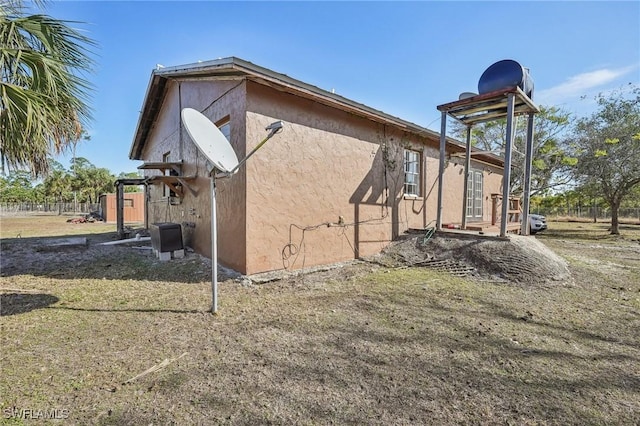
537	223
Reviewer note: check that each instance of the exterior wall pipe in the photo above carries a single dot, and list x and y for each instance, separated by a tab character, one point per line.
524	227
137	238
467	170
443	147
506	178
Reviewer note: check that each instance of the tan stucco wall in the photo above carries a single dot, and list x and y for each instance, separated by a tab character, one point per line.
321	191
193	211
327	164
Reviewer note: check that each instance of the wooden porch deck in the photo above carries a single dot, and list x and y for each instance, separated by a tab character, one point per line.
487	227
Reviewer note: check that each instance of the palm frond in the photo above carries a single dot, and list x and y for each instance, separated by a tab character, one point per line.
43	92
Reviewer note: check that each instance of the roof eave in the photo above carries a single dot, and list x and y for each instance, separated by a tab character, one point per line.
233	66
151	104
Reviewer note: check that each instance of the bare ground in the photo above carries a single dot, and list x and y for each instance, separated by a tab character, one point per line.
367	342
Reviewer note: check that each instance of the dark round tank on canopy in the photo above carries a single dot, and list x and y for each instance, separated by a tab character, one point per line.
506	74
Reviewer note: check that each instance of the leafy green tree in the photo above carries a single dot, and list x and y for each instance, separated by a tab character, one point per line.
102	183
633	199
17	187
89	181
4	184
43	95
607	148
58	186
131	175
551	162
38	193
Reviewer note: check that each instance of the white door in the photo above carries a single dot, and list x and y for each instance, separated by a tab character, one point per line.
474	196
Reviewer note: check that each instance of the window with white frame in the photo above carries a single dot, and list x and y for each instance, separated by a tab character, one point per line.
411	173
474	194
477	196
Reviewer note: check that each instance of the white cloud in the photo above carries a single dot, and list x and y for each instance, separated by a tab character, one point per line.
580	85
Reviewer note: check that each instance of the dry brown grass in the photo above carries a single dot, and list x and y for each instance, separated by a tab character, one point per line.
367	345
46	225
622	220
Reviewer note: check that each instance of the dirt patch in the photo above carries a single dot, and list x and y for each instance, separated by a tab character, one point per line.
516	259
61	258
111	335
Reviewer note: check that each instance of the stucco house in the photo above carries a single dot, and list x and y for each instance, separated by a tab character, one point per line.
339	182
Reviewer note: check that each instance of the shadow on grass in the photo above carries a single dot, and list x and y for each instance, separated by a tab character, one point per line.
69	257
20	303
369	371
564	332
143	310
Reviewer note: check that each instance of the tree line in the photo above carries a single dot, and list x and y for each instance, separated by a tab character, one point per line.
583	204
83	182
45	108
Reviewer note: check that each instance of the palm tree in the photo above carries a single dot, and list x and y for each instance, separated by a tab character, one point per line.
58	186
90	181
43	96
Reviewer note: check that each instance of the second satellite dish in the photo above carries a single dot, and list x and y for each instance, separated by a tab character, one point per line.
210	140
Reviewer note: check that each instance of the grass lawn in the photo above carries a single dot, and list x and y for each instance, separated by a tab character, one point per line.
48	226
390	346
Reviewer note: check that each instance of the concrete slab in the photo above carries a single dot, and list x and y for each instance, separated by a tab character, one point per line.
164	256
68	242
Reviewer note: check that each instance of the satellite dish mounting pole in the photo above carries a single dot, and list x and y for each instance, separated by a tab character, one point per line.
217	149
214	245
274	128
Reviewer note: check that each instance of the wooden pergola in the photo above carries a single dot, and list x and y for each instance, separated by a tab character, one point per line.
504	103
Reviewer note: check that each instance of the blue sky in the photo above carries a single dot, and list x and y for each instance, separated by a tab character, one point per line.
403	58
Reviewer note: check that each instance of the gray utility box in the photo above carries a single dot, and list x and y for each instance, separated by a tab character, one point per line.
166	238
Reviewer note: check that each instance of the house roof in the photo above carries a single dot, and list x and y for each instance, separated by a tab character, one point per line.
232	67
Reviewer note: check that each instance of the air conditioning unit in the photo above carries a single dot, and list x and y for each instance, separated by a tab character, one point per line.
166	240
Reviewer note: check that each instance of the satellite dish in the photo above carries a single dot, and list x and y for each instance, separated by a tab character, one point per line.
210	140
215	146
466	95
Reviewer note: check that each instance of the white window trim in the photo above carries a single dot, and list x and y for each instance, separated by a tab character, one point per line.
474	199
412	163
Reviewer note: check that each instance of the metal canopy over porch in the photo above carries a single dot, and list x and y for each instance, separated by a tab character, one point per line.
503	103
